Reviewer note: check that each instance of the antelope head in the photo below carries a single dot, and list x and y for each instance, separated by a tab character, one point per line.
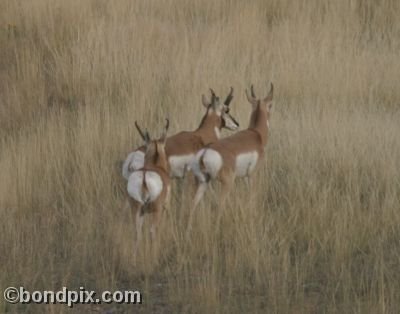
261	107
214	106
155	149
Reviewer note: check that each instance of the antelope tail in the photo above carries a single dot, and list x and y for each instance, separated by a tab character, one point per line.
145	191
202	166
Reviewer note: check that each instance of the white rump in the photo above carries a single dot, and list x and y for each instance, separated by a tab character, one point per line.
178	164
153	182
245	163
133	162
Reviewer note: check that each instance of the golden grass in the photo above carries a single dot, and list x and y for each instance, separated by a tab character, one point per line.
319	231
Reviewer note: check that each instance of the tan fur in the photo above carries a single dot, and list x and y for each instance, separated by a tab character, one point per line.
186	142
253	139
189	142
155	161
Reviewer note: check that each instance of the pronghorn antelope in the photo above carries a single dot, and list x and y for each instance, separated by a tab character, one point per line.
236	155
149	187
183	146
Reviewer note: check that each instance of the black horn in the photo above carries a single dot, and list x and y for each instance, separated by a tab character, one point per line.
213	96
167	124
142	135
270	94
229	97
251	98
252	91
164	134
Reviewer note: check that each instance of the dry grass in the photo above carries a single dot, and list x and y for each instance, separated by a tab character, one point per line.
320	230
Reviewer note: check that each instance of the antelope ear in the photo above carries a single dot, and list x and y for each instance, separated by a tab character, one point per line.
217	105
147	138
205	102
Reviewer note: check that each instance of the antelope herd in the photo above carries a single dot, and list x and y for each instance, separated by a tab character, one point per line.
149	168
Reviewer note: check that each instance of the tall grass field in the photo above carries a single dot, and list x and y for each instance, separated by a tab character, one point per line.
316	231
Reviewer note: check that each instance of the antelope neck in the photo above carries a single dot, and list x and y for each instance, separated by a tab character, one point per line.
258	123
208	126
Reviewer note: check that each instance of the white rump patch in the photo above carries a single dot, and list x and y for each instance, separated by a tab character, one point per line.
135	182
136	189
195	166
154	184
212	164
245	163
133	162
178	164
212	161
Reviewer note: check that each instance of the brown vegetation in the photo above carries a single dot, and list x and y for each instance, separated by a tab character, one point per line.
320	230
